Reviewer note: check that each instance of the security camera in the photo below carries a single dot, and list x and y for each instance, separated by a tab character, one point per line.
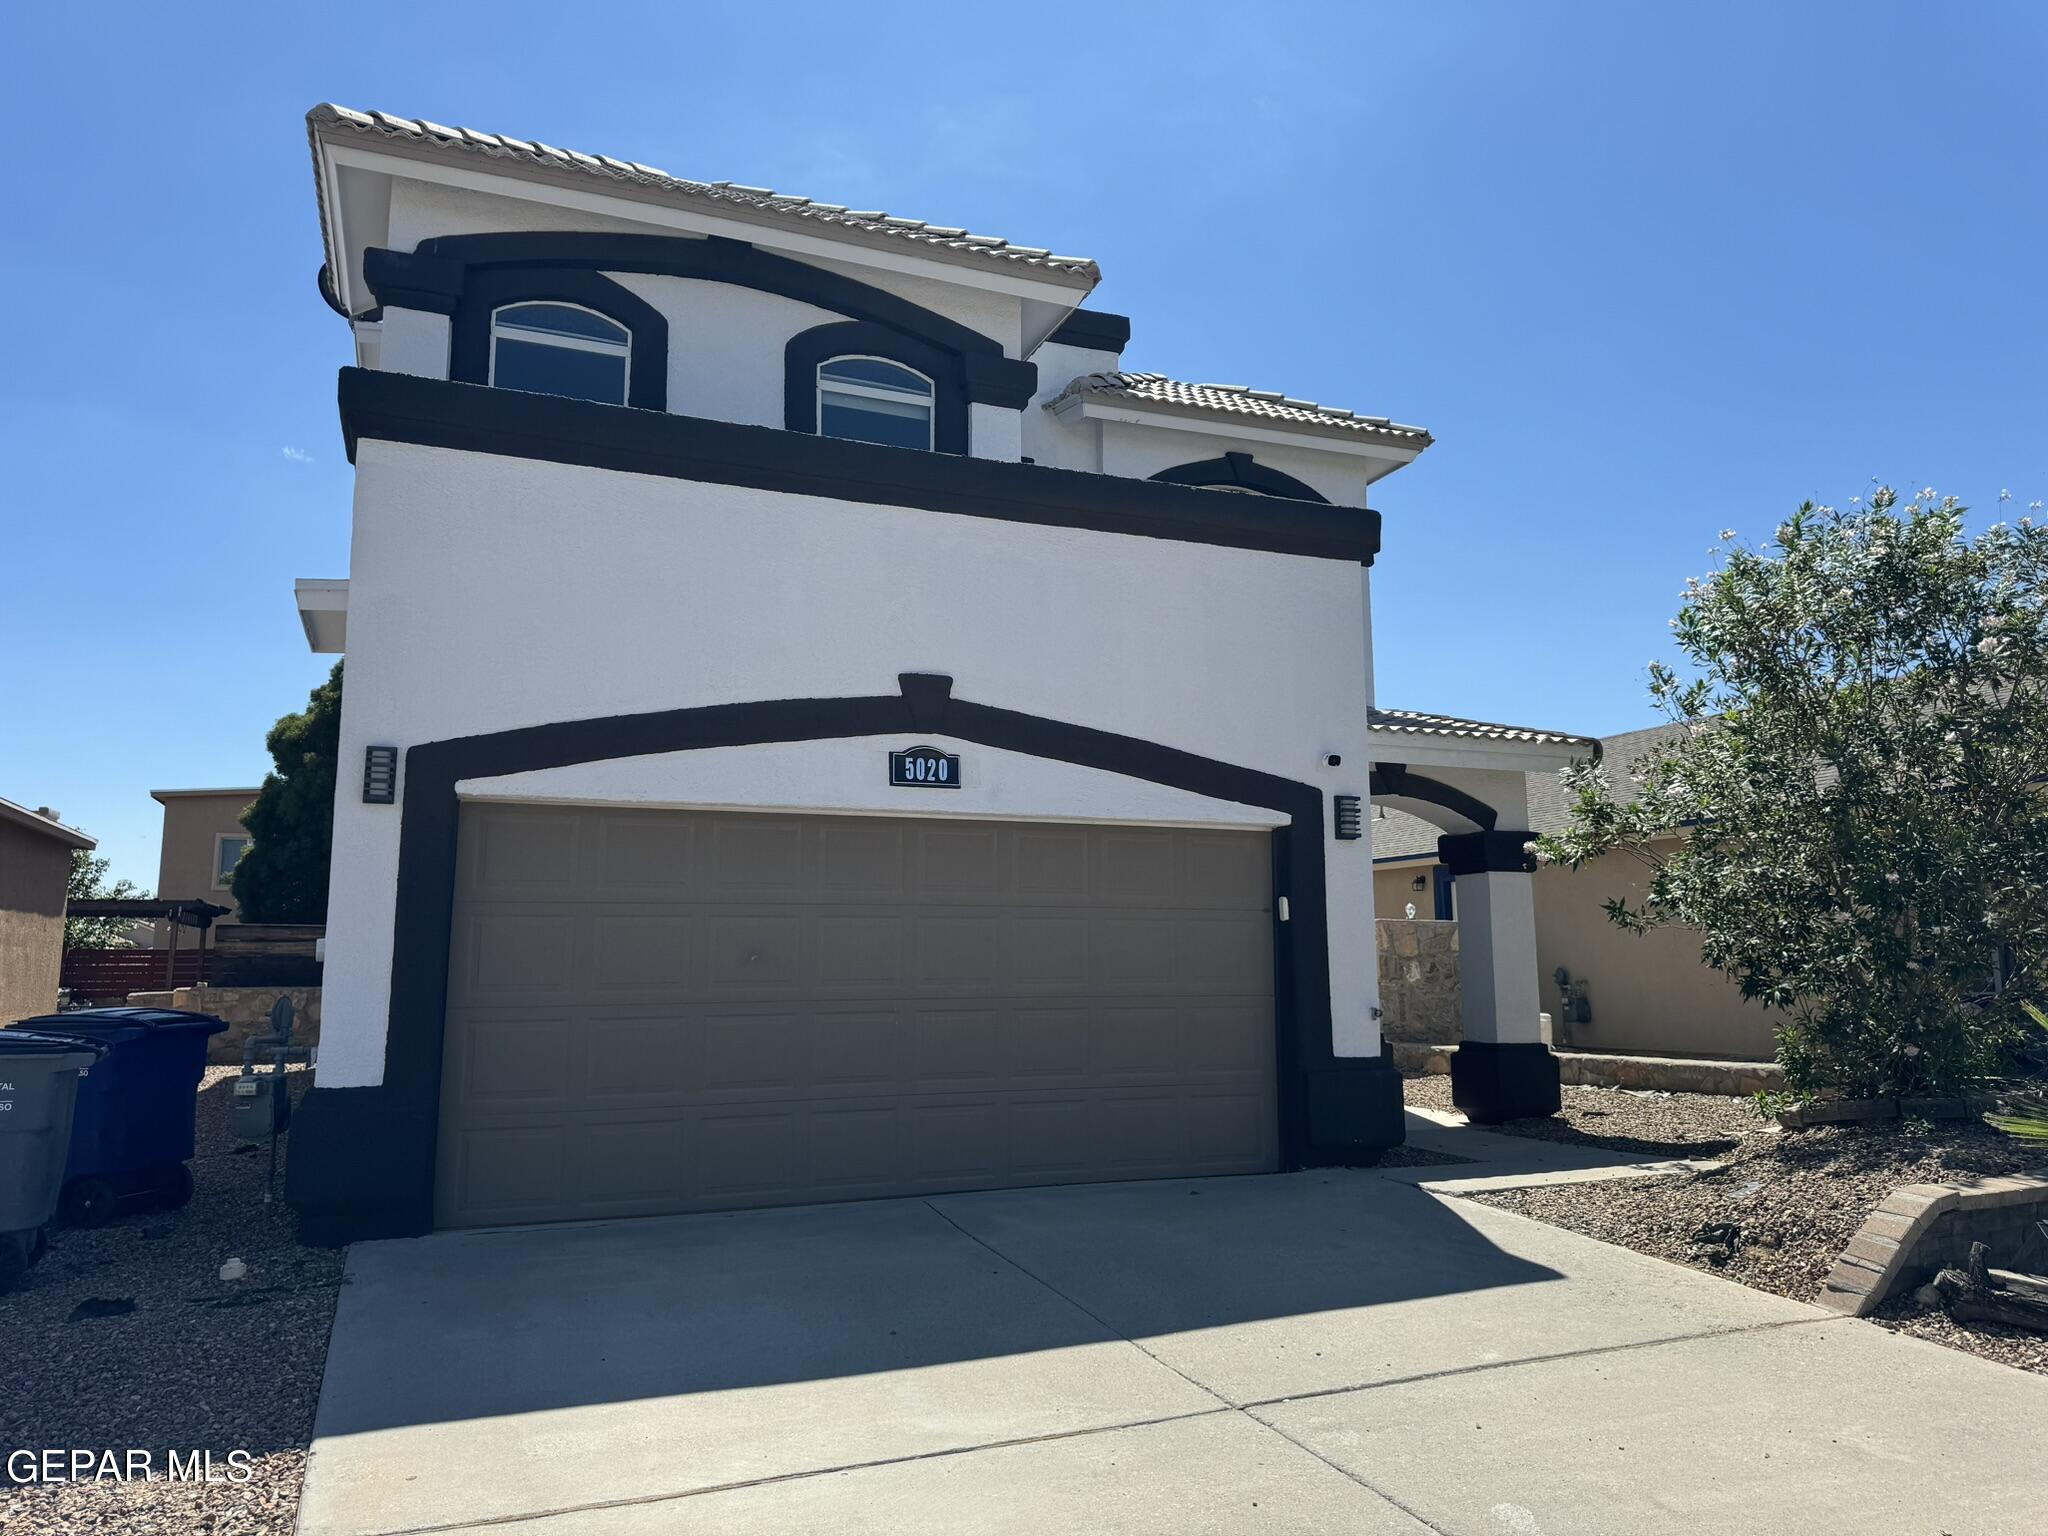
1332	760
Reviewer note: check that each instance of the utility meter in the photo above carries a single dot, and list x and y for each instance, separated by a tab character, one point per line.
261	1107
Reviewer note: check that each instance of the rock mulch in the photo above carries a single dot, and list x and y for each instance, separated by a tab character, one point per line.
125	1337
1655	1124
1781	1206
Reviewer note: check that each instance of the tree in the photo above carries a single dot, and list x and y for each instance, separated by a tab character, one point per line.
282	875
1862	792
89	883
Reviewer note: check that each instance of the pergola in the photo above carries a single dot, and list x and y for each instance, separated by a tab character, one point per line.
179	914
1468	779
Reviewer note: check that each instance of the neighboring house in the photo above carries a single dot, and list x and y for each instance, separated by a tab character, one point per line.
819	727
35	879
1646	993
203	837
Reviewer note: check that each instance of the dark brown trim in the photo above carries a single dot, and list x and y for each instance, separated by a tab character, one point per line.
804	351
345	1189
1096	330
1396	781
436	272
1494	851
439	413
1244	472
484	293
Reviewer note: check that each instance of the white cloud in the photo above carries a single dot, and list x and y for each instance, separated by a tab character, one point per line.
298	455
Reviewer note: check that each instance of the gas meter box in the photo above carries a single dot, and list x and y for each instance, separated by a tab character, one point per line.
261	1107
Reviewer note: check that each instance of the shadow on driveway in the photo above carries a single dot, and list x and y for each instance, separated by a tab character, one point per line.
461	1326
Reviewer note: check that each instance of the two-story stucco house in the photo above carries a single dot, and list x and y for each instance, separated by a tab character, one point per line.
818	727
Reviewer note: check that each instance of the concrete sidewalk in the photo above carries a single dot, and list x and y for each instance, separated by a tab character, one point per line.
1335	1351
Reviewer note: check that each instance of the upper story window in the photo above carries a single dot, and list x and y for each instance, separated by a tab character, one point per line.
560	349
228	848
874	401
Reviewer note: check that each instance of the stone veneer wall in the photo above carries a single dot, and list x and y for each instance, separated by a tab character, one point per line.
1418	981
247	1011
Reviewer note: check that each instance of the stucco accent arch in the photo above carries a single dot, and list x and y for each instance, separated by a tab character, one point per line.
368	1166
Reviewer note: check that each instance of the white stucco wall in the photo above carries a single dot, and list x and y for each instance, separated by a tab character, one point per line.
725	344
848	775
489	592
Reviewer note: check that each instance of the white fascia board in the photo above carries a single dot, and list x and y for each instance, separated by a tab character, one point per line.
970	272
22	816
323	613
1470	752
1069	406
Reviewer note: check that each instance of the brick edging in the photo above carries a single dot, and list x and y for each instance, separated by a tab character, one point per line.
1881	1252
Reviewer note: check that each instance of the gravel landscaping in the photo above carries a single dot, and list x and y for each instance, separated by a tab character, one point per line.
1780	1207
1656	1125
125	1337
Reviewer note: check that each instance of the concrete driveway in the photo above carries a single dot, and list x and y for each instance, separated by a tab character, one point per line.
1337	1351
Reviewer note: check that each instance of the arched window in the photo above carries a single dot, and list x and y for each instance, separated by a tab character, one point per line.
872	400
560	349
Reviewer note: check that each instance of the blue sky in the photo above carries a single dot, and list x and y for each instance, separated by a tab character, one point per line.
1646	271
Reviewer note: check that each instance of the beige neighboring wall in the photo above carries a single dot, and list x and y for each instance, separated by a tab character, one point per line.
1648	992
194	821
35	877
1393	887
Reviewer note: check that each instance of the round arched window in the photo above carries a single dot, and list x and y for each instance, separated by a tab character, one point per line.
560	349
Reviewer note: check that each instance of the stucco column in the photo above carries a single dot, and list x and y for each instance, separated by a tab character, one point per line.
1503	1069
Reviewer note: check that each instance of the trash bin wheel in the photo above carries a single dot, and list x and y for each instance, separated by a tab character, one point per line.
174	1187
88	1202
14	1252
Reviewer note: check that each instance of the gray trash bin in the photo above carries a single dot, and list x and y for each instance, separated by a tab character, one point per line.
38	1086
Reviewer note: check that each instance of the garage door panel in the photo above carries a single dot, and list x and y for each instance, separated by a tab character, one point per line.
958	1047
635	1057
747	1154
522	852
752	951
638	951
959	953
517	1062
1048	953
858	1052
629	857
1051	1045
751	1055
862	951
719	1010
754	855
502	1172
512	955
625	1163
862	858
1224	954
1224	870
959	860
1222	1040
1050	863
1134	954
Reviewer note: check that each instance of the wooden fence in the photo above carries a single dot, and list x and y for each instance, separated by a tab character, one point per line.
109	975
242	955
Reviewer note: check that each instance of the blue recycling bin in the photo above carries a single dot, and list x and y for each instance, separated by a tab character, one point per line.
131	1132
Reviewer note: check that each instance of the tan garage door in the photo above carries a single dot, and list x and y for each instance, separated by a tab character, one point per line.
682	1010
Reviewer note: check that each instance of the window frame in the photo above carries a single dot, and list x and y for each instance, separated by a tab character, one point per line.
566	343
875	392
225	882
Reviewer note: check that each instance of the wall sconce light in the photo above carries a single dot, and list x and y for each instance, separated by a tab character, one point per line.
380	775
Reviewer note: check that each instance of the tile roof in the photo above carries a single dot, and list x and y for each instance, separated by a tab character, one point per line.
1237	400
718	196
1408	722
1397	835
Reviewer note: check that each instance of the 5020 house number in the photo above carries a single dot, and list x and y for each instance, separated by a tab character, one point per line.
924	768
